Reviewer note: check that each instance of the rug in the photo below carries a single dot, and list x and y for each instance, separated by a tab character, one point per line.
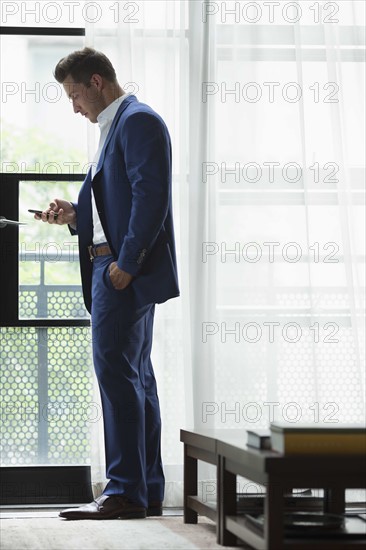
46	531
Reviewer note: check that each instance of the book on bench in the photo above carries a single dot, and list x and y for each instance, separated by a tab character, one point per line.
295	438
259	438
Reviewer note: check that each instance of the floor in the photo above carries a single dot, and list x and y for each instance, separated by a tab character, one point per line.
42	529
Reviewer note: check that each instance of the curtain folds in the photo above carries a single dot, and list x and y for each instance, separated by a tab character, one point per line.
269	215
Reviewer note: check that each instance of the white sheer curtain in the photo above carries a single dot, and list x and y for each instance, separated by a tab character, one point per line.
265	109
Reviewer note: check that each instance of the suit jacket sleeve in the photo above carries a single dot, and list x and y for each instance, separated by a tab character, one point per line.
147	155
71	229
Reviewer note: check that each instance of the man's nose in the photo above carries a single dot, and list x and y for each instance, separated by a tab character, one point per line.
76	107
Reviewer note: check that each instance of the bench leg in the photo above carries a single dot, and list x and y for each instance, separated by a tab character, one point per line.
226	503
273	514
334	500
189	485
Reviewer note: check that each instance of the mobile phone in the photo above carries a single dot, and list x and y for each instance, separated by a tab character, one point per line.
39	212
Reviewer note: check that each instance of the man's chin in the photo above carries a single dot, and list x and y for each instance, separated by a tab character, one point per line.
90	118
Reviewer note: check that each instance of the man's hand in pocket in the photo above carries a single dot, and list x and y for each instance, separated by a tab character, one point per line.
120	279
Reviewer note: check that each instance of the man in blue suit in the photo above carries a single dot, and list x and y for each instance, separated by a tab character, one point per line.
123	219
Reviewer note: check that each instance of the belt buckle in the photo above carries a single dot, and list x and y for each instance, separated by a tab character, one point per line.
91	253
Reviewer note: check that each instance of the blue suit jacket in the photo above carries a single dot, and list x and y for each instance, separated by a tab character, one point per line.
132	187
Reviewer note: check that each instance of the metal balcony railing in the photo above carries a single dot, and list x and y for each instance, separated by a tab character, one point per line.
46	393
49	301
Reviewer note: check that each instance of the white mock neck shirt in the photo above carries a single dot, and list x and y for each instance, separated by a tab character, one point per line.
105	119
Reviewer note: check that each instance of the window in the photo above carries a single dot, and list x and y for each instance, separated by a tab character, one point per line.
46	380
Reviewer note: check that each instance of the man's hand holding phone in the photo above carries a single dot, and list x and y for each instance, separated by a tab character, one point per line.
59	212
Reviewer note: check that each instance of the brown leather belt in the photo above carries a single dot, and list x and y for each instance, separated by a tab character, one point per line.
95	251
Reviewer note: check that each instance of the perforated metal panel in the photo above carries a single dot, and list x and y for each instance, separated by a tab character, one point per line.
28	304
69	304
46	393
51	302
19	389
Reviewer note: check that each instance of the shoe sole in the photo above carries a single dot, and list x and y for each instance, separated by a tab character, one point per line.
131	515
134	515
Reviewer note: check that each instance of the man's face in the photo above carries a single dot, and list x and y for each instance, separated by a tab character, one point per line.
86	100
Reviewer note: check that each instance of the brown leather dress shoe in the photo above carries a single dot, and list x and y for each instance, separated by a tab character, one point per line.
106	507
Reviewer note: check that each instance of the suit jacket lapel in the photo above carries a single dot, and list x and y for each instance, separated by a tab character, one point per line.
122	107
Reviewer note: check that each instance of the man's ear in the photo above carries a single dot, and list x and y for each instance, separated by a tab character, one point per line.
97	81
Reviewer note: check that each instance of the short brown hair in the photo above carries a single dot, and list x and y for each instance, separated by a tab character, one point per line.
82	64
